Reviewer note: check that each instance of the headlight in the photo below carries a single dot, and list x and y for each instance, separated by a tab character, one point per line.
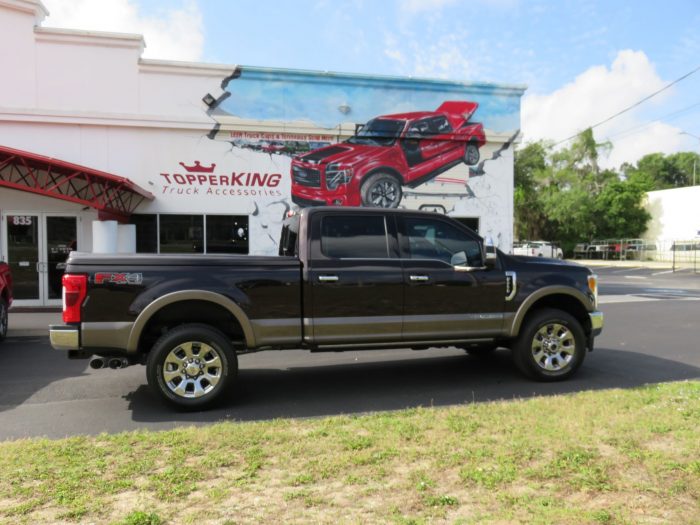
593	287
337	175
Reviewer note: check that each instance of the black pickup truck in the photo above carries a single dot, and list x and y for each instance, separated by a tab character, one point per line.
345	279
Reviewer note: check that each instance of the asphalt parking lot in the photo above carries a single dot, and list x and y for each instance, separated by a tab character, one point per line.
651	335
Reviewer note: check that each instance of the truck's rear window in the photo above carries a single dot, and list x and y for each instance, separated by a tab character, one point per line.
354	236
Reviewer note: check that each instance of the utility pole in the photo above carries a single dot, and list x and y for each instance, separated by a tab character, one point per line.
695	161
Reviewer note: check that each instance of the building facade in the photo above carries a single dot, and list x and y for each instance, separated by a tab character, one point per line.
210	158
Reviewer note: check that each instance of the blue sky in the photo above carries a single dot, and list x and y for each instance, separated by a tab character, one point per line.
581	60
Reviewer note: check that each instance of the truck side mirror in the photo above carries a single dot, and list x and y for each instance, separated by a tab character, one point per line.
490	256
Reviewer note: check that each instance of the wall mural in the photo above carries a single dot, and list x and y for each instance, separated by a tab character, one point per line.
283	139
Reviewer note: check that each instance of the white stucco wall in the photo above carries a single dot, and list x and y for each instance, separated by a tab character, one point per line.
675	214
88	98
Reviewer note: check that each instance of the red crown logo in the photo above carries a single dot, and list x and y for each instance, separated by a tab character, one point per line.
198	168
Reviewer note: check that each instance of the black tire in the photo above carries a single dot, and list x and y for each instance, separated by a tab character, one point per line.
185	346
547	338
471	154
381	190
3	319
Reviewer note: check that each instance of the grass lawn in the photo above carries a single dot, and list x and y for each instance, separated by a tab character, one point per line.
613	456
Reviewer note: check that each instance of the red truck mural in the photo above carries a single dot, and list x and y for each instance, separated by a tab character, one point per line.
386	154
5	297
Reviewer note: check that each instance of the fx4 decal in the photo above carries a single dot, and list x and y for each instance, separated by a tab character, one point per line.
118	278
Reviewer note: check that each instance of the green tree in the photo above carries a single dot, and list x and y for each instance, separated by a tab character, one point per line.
619	212
657	171
564	195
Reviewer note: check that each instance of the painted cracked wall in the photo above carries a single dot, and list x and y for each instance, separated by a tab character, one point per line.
282	139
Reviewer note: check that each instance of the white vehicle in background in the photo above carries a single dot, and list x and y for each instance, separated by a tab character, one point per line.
538	249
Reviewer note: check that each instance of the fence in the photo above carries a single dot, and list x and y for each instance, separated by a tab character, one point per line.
681	254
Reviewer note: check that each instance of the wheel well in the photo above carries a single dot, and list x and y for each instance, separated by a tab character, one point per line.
566	303
182	312
388	171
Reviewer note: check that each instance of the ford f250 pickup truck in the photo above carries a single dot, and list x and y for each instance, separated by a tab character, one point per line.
345	279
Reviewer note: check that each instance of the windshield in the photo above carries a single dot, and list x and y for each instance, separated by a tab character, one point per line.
378	132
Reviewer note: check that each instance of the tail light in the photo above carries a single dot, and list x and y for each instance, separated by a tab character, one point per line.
74	292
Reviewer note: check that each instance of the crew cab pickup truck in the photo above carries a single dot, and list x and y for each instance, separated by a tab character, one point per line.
345	279
387	153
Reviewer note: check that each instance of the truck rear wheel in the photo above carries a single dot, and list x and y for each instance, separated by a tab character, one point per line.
471	154
192	366
551	346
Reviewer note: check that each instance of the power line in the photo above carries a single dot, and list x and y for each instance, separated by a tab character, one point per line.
670	116
633	105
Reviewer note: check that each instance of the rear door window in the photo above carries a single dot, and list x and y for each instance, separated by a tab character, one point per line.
354	237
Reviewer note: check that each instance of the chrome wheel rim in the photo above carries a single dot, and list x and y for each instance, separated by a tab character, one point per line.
553	347
192	369
384	194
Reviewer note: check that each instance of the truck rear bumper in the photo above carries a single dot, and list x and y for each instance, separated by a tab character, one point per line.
597	322
64	337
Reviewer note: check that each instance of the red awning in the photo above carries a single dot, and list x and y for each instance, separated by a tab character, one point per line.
113	196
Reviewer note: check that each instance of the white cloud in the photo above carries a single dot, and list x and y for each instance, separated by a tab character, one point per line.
445	57
175	33
596	94
415	6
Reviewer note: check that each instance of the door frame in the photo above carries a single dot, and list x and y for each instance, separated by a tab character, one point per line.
43	263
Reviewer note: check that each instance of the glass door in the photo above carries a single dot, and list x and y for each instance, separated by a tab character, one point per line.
61	239
22	234
36	247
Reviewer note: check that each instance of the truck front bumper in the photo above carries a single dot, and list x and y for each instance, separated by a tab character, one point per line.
64	337
597	322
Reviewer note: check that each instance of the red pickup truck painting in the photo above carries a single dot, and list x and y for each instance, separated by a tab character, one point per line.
386	154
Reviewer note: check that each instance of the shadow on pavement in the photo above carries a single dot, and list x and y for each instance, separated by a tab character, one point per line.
314	391
30	364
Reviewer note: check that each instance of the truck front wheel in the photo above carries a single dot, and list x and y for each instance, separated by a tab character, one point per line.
192	365
381	190
551	346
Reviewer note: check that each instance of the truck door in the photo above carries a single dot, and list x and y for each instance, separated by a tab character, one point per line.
354	279
446	298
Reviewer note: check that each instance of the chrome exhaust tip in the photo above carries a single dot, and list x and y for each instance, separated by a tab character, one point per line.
97	362
118	362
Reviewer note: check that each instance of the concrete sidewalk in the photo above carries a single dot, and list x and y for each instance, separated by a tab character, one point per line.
24	324
653	265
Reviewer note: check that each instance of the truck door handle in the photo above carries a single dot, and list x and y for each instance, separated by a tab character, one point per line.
419	278
328	278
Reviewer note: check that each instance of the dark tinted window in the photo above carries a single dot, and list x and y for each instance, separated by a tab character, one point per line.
227	234
181	234
146	232
435	239
353	236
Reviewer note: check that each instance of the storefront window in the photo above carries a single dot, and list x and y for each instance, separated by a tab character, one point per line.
181	234
146	232
227	234
185	233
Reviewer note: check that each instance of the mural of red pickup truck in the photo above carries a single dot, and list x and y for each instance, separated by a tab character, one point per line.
386	154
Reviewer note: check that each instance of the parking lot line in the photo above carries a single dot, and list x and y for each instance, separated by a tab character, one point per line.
630	269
